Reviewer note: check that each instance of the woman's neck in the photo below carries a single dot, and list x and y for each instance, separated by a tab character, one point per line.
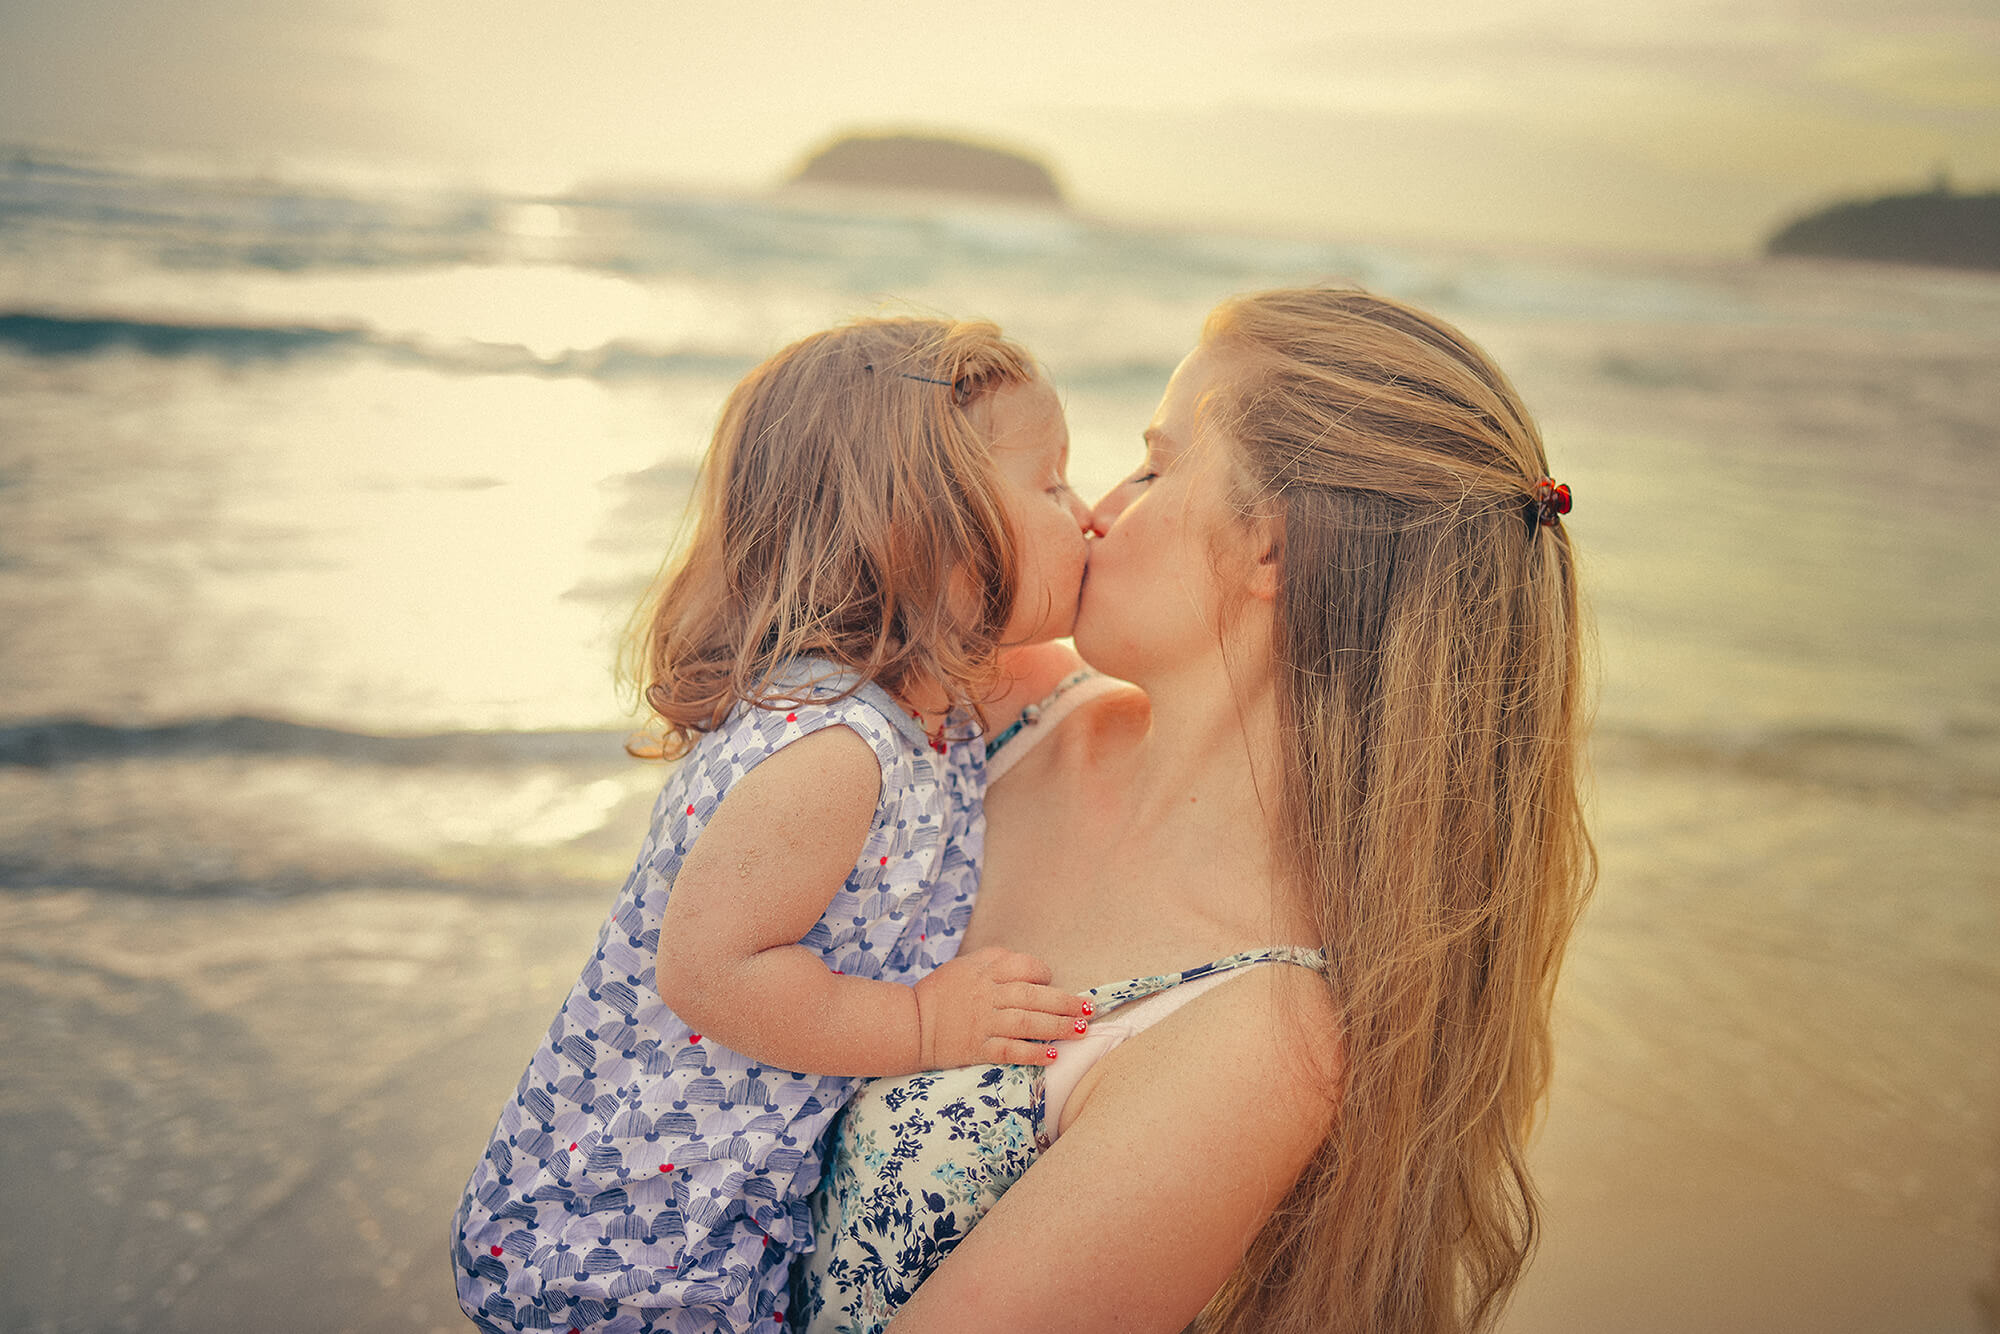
1142	836
1205	758
1188	797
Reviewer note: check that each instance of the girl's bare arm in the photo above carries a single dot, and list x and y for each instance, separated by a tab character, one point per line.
763	870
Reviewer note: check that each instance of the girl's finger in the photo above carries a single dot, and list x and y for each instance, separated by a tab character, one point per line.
1016	996
1037	1026
1051	1001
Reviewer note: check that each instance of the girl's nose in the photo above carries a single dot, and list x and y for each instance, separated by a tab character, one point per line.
1106	513
1081	513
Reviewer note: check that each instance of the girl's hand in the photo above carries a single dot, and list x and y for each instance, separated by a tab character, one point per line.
994	1007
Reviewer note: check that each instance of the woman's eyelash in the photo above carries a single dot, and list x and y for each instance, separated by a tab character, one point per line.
1145	475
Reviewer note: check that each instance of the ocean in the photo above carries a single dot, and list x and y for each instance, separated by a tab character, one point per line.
322	509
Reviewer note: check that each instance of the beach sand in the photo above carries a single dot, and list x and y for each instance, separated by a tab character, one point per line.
1776	1106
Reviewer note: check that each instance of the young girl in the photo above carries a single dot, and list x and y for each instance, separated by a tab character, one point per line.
883	507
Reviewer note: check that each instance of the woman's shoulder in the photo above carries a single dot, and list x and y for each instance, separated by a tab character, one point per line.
1260	1055
1094	713
1065	727
1275	1012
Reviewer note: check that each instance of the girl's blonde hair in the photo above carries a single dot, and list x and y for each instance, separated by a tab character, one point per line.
848	508
1429	651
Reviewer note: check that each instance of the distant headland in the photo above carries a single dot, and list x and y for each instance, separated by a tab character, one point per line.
1936	226
931	163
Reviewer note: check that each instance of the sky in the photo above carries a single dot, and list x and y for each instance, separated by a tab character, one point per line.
1674	125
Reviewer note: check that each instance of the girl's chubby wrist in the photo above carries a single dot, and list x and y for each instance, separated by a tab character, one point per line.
926	1005
785	1008
906	1050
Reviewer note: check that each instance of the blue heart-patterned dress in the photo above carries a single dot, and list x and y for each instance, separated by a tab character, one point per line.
644	1178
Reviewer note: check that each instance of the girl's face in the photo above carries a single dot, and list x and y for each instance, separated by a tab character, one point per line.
1030	444
1169	542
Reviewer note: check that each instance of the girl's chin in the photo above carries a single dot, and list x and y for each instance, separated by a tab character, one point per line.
1047	631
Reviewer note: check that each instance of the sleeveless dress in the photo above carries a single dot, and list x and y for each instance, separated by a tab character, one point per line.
644	1178
916	1161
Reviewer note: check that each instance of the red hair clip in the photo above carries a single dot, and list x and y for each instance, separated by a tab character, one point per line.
1550	502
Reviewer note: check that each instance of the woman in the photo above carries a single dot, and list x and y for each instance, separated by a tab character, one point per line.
1334	841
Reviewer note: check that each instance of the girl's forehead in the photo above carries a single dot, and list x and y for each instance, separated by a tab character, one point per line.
1025	416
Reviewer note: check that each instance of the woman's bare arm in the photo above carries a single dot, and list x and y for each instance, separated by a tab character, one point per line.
1194	1133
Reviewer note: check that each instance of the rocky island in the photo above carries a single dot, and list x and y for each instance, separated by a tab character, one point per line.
1937	226
931	164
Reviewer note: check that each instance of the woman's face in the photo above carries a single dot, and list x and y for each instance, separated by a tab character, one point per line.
1168	539
1030	444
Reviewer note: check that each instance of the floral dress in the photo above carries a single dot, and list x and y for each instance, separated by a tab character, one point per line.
644	1178
916	1161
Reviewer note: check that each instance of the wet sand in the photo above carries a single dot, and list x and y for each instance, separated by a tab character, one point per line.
1776	1108
1778	1095
257	1115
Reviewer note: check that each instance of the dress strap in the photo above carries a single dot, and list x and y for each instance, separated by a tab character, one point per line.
1032	713
1038	720
1122	993
1126	1009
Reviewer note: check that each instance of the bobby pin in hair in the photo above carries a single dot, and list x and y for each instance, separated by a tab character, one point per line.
869	366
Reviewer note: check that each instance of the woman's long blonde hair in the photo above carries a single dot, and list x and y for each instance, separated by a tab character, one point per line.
848	508
1430	653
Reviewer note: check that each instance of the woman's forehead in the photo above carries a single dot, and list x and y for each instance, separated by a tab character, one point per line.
1202	372
1194	398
